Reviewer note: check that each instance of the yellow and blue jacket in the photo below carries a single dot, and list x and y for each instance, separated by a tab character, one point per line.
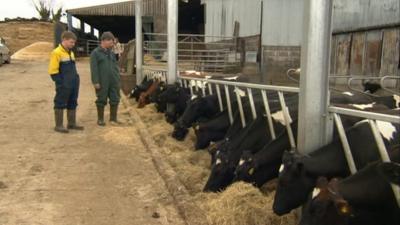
62	66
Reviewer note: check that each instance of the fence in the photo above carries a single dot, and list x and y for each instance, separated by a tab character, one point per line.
372	120
194	52
206	86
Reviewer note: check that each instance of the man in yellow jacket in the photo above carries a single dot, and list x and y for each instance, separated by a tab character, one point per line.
62	70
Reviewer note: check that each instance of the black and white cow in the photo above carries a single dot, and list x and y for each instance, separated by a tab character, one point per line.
252	138
365	198
298	173
142	87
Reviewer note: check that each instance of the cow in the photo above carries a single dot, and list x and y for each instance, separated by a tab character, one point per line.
391	172
176	97
263	166
142	87
299	172
144	97
365	198
253	137
212	130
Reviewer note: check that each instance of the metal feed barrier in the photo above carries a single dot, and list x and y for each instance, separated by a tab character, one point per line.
372	119
206	88
351	79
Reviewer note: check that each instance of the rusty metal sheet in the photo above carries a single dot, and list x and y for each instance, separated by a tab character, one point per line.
333	55
357	53
390	52
373	53
343	43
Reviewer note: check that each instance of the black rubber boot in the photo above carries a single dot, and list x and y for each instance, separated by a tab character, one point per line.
71	116
59	119
100	116
113	114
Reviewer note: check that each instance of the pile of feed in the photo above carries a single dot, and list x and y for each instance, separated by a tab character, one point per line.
239	204
38	51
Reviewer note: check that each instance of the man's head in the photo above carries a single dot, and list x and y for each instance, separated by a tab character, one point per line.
107	40
68	39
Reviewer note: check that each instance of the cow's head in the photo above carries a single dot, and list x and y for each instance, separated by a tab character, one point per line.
294	184
170	94
246	168
180	131
170	114
325	205
205	137
221	173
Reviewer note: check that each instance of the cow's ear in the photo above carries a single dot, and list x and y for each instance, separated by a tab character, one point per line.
390	171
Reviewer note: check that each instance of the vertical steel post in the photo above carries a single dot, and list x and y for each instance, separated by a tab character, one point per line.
314	125
139	41
69	21
172	40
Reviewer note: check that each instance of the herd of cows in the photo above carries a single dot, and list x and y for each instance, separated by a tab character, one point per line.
321	182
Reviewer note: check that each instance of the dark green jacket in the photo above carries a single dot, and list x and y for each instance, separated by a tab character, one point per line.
104	68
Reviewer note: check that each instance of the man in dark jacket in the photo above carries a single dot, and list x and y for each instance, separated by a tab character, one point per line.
105	78
62	70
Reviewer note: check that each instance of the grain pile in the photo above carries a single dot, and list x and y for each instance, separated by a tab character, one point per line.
38	51
240	204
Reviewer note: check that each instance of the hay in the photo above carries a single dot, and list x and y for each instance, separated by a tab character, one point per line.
119	135
38	51
241	204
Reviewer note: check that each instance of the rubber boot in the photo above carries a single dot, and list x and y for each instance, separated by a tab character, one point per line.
100	116
59	119
113	114
71	116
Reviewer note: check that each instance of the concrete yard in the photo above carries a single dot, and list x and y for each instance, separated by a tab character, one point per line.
98	176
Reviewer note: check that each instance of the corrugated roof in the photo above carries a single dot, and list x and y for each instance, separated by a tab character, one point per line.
150	8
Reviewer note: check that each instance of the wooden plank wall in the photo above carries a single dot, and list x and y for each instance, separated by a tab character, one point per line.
368	53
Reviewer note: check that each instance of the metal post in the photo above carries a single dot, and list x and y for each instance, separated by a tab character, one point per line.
69	21
172	40
139	41
315	54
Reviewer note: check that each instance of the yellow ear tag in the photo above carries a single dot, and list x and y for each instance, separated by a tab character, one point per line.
251	171
197	127
344	209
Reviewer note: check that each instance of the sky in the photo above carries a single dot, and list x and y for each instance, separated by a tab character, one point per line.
25	8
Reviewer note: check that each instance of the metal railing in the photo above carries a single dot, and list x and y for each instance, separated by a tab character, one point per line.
206	86
350	80
194	51
372	119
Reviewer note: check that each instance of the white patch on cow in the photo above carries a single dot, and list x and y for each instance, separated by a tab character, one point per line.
208	77
241	162
240	92
281	168
363	106
193	97
199	84
218	161
386	129
397	100
315	192
231	78
348	93
279	117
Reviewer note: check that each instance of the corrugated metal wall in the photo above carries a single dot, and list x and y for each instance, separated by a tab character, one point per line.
282	22
356	14
222	14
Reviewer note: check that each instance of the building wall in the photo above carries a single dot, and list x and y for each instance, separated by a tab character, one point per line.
356	14
222	14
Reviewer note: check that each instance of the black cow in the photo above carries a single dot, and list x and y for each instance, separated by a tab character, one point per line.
391	172
365	198
176	97
212	130
199	107
299	172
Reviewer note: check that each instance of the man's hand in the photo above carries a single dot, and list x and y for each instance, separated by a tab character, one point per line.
97	86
